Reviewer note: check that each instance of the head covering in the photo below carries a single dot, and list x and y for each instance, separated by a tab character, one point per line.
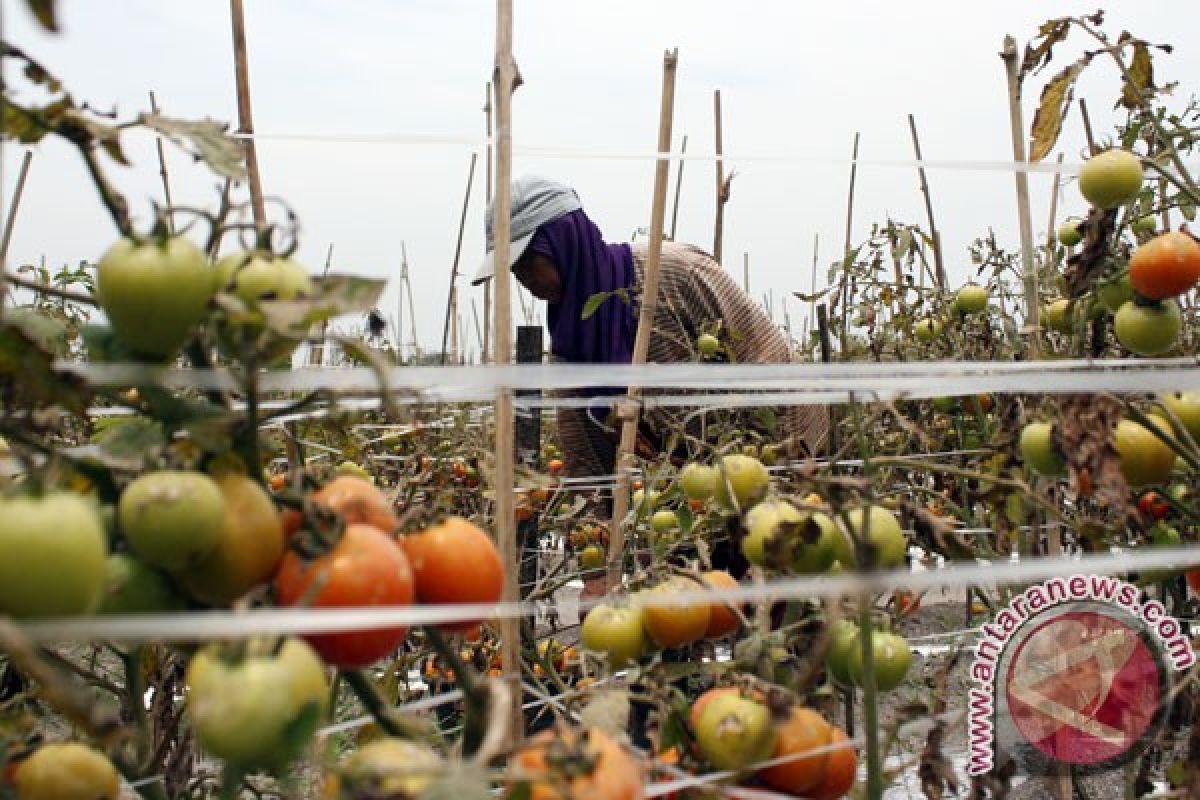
588	266
535	201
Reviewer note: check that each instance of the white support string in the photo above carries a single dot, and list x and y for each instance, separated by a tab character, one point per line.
204	625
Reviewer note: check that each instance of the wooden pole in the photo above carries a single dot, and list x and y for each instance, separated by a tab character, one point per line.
678	185
933	231
462	225
162	168
1051	233
719	223
1030	277
628	411
812	303
478	332
842	297
11	219
245	116
316	353
487	285
504	80
746	272
407	288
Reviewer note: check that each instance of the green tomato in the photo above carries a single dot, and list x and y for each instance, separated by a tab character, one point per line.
644	501
1163	536
972	299
843	639
1115	293
1069	234
1148	330
699	481
734	732
1186	406
261	711
1057	315
133	587
767	541
67	771
52	554
884	535
1144	458
1111	178
256	276
945	404
820	555
708	345
927	329
664	521
591	557
1144	224
172	519
154	295
389	768
617	633
746	476
892	659
1038	451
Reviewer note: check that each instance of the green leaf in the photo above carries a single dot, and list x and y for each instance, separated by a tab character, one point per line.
687	520
28	378
44	11
128	443
334	296
205	139
593	304
50	333
1056	99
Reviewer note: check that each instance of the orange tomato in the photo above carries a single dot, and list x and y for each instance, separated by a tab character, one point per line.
358	501
1193	580
721	619
278	481
600	770
906	602
1166	266
455	562
840	769
365	568
555	466
675	624
805	730
290	518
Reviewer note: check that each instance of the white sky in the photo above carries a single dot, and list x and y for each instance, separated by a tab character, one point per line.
796	77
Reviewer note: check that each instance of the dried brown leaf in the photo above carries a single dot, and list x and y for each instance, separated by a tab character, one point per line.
1085	437
1139	78
1052	109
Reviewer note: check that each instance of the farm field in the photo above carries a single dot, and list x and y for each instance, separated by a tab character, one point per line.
943	542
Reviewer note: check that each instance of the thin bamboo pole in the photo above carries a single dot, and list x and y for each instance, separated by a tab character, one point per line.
1029	273
719	222
316	353
746	272
842	298
812	303
162	168
933	231
245	115
506	532
478	331
487	285
678	186
406	287
462	226
628	411
1051	232
11	219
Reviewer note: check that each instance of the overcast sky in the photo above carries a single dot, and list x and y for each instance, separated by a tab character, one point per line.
796	78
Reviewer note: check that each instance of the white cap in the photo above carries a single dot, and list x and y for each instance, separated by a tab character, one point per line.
535	202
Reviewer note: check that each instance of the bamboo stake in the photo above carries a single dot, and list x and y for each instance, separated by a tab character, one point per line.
933	231
812	303
842	297
719	223
406	286
316	353
11	219
504	80
628	411
746	272
1051	232
162	168
678	185
245	116
487	285
1087	126
478	331
1033	312
462	225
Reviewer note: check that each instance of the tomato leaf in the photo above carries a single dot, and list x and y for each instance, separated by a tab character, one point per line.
1140	75
205	139
28	377
1056	99
1040	51
334	296
128	443
593	304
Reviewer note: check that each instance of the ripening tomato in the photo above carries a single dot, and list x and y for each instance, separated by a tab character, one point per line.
746	476
840	769
1038	450
1144	457
674	624
1166	266
67	771
365	568
455	562
250	548
803	731
357	500
387	767
615	632
1152	505
553	762
733	732
1186	406
721	619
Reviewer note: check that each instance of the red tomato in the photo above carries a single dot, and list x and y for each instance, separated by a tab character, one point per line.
455	562
365	568
1152	505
